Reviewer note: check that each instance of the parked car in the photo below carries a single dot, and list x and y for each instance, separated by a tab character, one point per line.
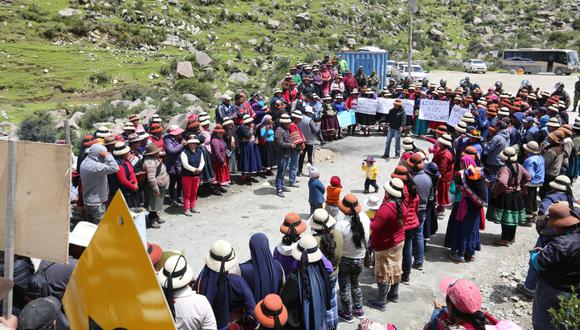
390	66
417	73
475	65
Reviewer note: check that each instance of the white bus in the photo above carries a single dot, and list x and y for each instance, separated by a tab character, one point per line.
534	60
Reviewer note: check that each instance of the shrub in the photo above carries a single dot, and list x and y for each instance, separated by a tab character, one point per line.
53	31
195	87
168	109
576	23
99	78
567	316
78	26
133	94
34	13
559	39
102	113
38	127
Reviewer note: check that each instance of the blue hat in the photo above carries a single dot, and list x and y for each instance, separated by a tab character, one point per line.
432	169
528	119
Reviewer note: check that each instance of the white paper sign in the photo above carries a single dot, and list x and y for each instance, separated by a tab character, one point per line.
434	110
385	105
368	106
456	115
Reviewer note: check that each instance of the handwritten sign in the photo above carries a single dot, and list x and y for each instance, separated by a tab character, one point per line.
434	110
368	106
387	104
456	115
346	118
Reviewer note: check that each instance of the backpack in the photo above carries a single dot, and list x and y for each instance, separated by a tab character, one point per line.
38	285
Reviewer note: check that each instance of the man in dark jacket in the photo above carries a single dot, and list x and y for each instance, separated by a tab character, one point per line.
396	119
284	147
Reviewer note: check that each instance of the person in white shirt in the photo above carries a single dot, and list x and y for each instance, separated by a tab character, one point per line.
355	228
191	311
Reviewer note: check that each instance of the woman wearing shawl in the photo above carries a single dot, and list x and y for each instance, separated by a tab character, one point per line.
291	228
331	244
444	160
431	225
462	235
231	299
307	293
263	274
250	160
507	206
175	279
265	131
219	159
326	76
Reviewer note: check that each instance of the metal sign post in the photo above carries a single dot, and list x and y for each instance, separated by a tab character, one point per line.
9	229
66	131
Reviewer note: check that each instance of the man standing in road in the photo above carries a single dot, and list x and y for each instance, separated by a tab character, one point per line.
94	170
284	148
311	132
396	119
576	96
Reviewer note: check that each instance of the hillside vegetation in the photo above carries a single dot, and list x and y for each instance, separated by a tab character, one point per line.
57	53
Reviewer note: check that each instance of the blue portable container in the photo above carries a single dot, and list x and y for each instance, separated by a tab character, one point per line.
369	58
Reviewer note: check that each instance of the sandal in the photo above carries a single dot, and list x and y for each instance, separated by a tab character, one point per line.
501	242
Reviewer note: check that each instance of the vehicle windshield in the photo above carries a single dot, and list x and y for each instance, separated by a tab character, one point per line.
391	63
477	62
573	58
417	69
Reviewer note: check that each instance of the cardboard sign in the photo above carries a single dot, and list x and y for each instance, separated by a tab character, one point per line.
114	284
385	105
346	118
456	115
42	199
434	110
368	106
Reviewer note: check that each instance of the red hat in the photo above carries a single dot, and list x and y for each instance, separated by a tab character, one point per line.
155	252
292	220
464	294
218	129
271	312
335	182
401	172
156	128
89	140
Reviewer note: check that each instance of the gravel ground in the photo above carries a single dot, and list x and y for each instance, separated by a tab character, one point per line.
245	210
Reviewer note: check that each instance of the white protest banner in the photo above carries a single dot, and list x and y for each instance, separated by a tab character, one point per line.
456	115
346	118
387	104
42	199
368	106
434	110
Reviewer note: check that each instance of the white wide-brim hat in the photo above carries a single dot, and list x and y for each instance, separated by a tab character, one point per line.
307	244
509	154
319	218
373	202
221	249
461	127
561	183
445	139
176	267
82	233
394	187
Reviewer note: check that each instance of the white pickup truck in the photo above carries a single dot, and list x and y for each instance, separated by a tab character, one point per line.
475	65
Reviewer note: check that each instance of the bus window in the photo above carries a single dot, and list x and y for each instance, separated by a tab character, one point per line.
573	59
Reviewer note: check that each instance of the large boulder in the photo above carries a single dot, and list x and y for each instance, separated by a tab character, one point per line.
239	77
68	12
76	118
58	115
192	99
436	34
477	21
202	58
134	104
179	120
185	69
194	109
121	103
273	24
489	17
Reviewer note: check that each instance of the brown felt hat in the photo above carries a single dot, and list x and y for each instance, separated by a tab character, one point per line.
560	216
347	203
415	162
292	220
401	172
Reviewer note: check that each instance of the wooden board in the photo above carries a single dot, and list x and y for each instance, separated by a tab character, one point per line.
42	199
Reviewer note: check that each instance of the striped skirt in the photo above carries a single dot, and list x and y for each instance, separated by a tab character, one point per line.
507	209
332	312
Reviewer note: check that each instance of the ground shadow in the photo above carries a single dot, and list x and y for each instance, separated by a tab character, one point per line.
174	210
500	291
487	239
265	191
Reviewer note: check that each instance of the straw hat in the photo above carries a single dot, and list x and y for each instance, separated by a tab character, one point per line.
349	201
560	216
271	312
509	154
121	149
561	183
110	140
151	149
532	147
292	220
474	134
102	132
192	140
134	137
441	129
394	187
175	130
408	144
468	118
177	271
461	127
320	218
285	119
133	117
553	122
504	112
129	127
221	253
297	114
373	202
307	244
82	234
227	121
143	135
445	139
557	136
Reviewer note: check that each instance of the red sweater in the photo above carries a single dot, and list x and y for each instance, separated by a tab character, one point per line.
385	229
159	142
444	160
411	220
121	175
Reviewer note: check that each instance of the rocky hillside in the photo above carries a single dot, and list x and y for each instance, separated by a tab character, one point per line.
60	52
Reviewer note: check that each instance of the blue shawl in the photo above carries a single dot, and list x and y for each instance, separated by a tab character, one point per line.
262	272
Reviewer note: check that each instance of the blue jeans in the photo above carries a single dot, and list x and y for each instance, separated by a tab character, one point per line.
294	165
393	133
408	252
280	172
419	240
545	297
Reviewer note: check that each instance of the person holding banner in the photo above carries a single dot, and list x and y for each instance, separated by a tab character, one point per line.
396	119
329	123
350	104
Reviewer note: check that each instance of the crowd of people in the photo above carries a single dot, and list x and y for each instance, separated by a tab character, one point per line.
511	160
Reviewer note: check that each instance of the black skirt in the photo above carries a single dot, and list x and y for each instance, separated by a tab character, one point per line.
207	174
365	119
268	154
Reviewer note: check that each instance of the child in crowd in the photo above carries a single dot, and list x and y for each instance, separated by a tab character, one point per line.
333	196
315	189
372	171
